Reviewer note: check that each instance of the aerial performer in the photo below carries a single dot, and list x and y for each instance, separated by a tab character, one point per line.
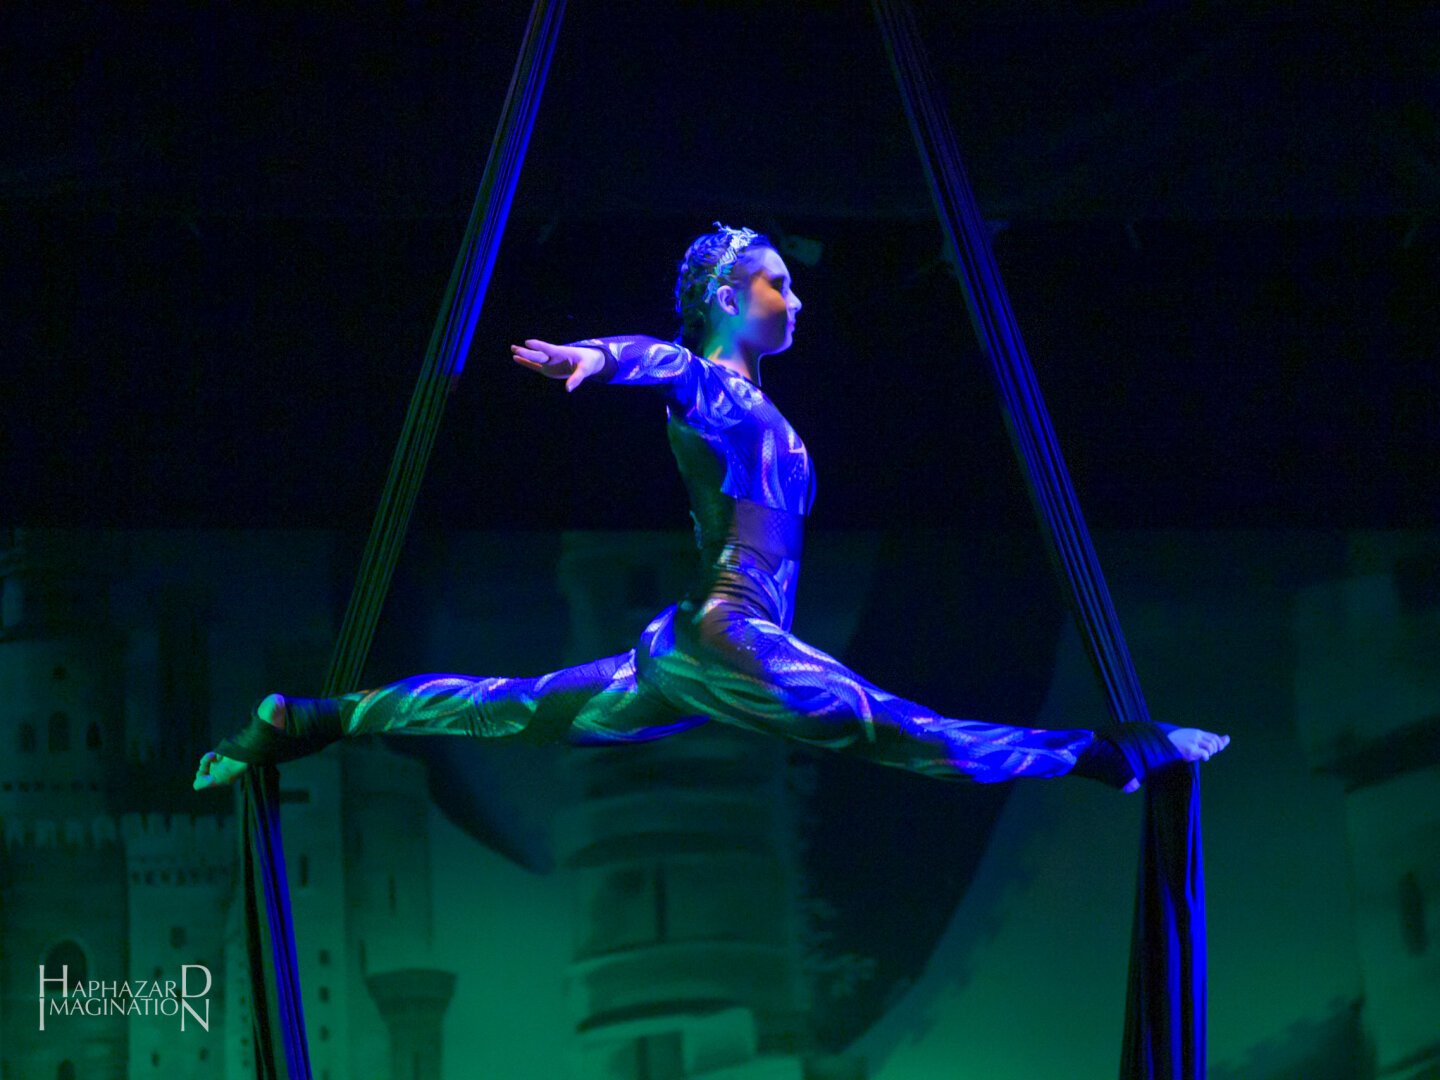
724	651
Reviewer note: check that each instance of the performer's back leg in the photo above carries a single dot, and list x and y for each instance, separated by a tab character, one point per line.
725	661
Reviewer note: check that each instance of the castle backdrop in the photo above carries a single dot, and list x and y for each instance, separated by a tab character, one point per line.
718	905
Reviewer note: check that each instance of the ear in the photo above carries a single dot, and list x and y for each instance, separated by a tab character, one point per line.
725	297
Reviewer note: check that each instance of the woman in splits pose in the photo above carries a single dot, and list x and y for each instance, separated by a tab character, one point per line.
725	651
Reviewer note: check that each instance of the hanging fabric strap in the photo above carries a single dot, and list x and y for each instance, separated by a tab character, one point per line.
1165	1010
278	1021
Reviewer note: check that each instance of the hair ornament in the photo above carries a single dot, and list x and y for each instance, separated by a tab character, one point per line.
737	241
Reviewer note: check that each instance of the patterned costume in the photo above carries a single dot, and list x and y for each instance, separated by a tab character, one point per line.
725	651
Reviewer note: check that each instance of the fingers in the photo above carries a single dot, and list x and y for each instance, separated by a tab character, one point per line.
553	361
529	357
536	351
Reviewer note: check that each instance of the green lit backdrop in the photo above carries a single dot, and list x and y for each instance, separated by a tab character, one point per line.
718	904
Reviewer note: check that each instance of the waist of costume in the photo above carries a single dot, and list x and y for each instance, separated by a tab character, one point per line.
722	520
749	558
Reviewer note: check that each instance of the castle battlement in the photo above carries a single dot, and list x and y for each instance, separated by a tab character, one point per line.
95	832
155	839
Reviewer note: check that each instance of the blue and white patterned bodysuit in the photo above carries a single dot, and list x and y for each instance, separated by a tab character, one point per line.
725	651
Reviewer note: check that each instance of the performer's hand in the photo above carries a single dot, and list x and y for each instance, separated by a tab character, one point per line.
573	363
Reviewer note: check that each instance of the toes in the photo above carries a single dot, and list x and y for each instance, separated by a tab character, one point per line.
205	777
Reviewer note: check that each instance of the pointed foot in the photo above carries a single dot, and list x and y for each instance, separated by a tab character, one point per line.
1193	744
215	769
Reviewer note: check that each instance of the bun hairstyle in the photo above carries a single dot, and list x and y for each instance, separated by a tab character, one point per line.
712	260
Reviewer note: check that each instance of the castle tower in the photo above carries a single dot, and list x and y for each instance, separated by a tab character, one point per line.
170	662
63	896
356	824
1368	702
180	874
63	675
386	820
413	1003
688	962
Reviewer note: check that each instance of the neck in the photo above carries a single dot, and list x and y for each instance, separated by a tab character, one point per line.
740	359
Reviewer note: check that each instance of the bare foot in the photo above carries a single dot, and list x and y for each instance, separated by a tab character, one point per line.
1194	745
216	769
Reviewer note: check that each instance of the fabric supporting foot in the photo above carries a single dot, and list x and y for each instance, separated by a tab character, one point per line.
311	724
1128	752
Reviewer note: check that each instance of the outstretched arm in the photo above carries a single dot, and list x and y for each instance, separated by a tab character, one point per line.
631	358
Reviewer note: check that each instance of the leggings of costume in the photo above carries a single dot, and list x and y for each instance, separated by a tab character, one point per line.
725	656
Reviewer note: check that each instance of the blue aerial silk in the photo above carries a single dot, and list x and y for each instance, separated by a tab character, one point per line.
278	1023
1165	1009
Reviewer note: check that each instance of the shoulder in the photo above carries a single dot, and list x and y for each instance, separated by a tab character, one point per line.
714	396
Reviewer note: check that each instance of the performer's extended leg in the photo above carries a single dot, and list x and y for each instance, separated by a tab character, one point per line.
597	703
593	703
727	662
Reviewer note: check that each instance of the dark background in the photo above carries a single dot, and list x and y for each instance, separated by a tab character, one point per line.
226	236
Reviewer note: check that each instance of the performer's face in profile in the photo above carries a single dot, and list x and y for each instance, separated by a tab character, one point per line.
767	307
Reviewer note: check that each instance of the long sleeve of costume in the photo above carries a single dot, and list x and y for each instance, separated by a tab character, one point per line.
641	360
690	384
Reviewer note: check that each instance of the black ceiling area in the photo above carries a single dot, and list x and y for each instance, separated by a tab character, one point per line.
227	234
